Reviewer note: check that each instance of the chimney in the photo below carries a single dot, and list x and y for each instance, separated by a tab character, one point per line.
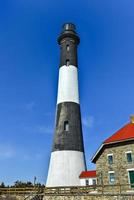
132	119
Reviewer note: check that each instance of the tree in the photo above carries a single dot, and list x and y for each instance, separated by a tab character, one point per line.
2	185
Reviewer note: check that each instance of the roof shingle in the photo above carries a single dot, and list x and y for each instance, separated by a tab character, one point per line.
125	133
88	174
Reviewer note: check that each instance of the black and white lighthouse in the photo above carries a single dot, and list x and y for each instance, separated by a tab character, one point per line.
67	157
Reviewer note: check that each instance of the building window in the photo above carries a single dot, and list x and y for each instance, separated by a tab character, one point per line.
110	159
66	126
67	62
67	47
129	157
87	182
94	181
131	177
111	177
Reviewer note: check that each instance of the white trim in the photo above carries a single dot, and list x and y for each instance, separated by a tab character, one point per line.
128	177
94	177
103	144
110	172
128	152
131	169
97	152
109	154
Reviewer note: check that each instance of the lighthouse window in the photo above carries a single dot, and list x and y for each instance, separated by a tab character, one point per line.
67	62
66	126
67	47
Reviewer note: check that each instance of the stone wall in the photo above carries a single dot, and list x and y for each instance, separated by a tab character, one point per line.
94	197
75	197
11	197
16	197
119	165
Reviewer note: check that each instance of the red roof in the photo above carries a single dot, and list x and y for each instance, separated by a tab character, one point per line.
125	133
88	174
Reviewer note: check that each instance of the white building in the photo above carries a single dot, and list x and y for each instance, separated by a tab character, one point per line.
88	178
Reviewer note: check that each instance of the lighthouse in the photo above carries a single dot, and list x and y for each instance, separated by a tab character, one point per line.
67	159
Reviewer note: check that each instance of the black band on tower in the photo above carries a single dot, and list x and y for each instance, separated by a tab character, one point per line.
68	131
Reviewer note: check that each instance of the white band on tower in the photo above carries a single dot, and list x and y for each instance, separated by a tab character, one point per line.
68	84
65	168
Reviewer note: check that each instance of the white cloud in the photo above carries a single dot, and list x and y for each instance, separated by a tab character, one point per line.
27	157
36	156
39	129
6	151
88	121
44	129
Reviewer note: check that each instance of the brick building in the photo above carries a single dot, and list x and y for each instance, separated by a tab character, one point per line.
115	158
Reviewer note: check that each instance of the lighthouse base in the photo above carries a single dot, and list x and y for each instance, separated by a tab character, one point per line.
65	168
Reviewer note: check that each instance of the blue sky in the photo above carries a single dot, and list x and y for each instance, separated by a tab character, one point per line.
29	60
